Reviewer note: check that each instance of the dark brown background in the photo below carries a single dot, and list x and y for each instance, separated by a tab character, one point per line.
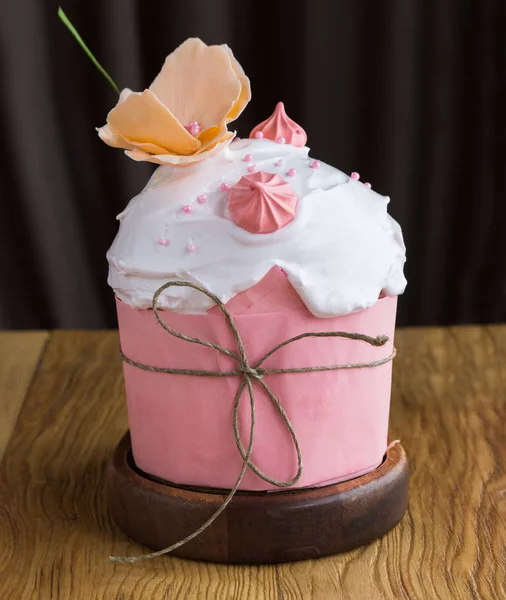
410	93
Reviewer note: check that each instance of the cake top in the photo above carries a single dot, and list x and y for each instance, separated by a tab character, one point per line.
223	213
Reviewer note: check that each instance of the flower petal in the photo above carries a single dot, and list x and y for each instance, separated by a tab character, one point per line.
117	140
113	139
140	155
141	117
149	148
198	83
245	95
125	92
225	136
181	161
212	134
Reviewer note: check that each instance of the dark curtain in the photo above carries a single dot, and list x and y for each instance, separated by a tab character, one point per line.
410	93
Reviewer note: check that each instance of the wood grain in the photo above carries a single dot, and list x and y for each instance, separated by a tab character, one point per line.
19	353
448	408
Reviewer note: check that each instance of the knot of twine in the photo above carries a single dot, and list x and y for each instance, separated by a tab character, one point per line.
249	374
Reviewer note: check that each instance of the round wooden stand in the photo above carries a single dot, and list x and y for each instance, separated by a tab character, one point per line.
258	527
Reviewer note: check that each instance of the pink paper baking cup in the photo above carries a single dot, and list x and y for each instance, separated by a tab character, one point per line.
181	425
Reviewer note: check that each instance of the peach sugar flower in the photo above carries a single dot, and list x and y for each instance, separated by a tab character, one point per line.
182	118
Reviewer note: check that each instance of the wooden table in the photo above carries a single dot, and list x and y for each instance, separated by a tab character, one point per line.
62	411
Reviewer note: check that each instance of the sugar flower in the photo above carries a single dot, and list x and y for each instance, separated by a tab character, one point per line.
182	118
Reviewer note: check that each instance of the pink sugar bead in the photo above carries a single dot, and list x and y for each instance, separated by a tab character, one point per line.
248	157
259	135
280	140
252	169
280	162
187	208
291	172
224	187
355	176
202	198
163	242
193	128
368	185
315	164
191	248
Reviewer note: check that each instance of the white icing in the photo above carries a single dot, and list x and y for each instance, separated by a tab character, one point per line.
340	252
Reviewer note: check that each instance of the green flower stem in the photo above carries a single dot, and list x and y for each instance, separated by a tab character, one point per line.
80	41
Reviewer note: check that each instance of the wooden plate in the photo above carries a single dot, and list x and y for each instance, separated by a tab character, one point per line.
257	527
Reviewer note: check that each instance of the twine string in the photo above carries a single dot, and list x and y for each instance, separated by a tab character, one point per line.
249	374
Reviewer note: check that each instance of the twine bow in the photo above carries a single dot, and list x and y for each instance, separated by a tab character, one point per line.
249	374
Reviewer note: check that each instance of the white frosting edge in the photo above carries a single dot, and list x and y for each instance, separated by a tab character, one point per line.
341	251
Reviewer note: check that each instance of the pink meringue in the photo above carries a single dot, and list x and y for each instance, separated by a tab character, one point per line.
279	127
262	202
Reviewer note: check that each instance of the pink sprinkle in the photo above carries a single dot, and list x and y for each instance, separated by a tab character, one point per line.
355	176
163	242
224	187
292	172
248	157
202	198
193	127
280	140
368	185
187	208
237	139
315	164
252	169
191	248
259	135
280	162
